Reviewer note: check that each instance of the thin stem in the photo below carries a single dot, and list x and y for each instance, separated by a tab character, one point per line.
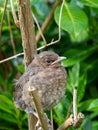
45	42
75	103
59	37
11	35
69	109
48	19
2	18
20	54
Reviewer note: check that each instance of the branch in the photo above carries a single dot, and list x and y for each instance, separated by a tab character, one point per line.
27	30
28	39
39	108
11	35
20	54
66	124
12	57
46	45
69	110
14	14
71	122
48	19
38	26
75	103
76	123
2	18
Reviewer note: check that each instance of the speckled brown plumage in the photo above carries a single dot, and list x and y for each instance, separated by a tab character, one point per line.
47	76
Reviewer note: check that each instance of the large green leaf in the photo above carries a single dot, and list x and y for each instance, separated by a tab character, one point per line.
87	124
81	87
7	117
6	108
74	75
89	105
41	7
5	99
74	21
77	55
95	124
91	3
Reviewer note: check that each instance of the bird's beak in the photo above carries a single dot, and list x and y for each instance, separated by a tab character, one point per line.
59	60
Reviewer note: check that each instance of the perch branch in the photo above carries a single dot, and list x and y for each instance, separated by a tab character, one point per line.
78	120
71	122
66	124
2	18
39	108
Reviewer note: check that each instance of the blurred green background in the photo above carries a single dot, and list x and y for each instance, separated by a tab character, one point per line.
79	43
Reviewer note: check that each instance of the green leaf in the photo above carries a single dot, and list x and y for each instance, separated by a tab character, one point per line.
5	99
77	55
8	117
58	116
89	105
95	124
60	110
21	68
74	75
81	87
87	123
41	7
93	105
91	3
6	108
74	21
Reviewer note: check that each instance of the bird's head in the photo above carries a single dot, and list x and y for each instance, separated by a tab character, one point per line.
48	58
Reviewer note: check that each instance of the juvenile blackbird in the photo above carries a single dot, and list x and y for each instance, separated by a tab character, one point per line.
46	75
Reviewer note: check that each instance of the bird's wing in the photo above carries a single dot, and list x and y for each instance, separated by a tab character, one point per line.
23	80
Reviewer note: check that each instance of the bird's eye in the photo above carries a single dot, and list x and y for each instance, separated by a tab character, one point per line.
48	61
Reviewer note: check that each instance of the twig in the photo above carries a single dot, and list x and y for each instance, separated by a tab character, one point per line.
66	124
39	108
2	18
59	37
12	57
75	103
31	118
45	42
11	35
20	54
78	121
48	19
69	109
14	13
51	119
51	43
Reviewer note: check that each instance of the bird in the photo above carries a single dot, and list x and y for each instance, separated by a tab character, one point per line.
47	76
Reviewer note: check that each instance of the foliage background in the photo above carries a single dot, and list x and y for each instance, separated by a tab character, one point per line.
79	43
